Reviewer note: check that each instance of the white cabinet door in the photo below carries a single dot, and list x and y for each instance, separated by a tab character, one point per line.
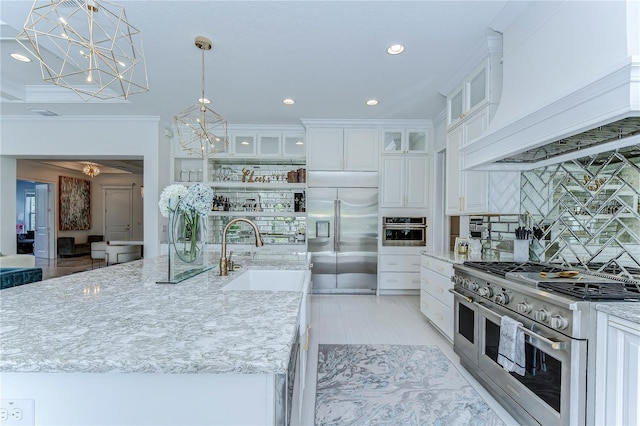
325	149
392	181
361	149
452	170
618	373
404	181
416	188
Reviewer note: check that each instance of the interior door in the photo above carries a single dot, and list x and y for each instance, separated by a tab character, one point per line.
41	245
118	213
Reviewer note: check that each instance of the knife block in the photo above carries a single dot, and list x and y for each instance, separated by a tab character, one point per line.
521	250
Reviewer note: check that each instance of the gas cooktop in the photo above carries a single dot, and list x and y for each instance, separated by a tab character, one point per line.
585	290
584	286
502	268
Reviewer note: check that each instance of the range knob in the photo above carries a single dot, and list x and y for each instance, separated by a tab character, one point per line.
501	298
541	315
524	307
472	285
486	292
558	322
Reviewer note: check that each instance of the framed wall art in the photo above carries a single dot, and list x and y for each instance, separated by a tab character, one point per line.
75	204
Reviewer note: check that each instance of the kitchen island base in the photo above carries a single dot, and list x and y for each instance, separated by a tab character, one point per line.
148	399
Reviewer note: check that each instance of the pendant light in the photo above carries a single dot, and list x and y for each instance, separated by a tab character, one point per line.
86	46
202	131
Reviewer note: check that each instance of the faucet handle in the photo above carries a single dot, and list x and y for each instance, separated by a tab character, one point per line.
229	258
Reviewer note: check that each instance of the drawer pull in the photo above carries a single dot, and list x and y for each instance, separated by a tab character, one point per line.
440	316
393	281
392	263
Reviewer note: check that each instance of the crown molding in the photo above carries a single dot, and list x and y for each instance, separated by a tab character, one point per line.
347	123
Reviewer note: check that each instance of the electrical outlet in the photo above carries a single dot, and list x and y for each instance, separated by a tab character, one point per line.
17	412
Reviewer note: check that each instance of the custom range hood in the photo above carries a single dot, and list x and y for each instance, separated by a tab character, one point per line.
571	85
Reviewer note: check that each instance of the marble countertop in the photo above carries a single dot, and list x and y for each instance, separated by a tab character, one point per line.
625	310
117	319
454	257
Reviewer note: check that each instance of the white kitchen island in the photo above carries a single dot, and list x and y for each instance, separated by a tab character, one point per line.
110	346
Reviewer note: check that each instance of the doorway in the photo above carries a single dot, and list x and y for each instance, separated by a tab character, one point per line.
35	218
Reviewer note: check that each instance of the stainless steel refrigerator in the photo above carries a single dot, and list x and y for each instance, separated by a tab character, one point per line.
342	234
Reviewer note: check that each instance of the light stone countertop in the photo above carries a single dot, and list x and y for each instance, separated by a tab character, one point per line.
117	319
454	257
629	311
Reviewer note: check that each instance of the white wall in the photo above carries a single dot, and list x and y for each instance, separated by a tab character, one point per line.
81	138
8	243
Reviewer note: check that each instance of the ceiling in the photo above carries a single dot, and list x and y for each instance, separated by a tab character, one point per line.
330	56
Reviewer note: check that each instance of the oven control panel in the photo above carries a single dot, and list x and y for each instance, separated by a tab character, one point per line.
532	306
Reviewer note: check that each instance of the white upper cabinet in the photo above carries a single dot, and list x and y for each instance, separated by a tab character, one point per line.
265	144
480	87
269	145
243	145
342	149
293	145
402	141
404	181
477	192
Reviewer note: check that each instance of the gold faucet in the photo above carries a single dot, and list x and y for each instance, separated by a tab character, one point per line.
223	258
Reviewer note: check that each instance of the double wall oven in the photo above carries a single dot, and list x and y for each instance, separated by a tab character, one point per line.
557	317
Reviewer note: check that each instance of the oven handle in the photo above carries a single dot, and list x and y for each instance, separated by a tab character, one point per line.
462	296
554	345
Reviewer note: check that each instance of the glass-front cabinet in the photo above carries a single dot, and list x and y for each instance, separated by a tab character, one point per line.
404	141
244	145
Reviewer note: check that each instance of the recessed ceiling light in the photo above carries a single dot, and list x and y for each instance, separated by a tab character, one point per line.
299	143
372	102
395	49
288	101
204	101
19	57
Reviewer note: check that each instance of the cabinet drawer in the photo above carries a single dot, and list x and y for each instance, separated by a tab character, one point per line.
440	266
439	314
400	263
399	281
437	286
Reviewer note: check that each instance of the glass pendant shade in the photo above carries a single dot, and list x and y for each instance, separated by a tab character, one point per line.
86	46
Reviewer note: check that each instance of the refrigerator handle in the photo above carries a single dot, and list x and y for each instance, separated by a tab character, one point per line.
336	226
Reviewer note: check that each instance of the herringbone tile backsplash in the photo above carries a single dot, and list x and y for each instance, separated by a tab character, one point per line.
588	207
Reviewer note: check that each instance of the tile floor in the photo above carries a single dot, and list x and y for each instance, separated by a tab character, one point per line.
360	319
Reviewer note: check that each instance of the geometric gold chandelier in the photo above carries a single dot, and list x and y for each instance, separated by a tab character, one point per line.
91	170
87	46
202	131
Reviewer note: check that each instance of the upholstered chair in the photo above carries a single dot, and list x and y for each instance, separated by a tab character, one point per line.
122	253
98	252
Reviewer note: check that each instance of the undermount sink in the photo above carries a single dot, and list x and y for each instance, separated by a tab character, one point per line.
268	280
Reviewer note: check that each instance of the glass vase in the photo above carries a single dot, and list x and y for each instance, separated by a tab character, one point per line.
187	245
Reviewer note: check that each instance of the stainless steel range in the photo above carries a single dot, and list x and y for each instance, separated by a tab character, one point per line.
559	324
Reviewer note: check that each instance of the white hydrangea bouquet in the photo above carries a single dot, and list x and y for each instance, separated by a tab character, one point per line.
185	206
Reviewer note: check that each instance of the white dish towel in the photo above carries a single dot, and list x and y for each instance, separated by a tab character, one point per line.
511	347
